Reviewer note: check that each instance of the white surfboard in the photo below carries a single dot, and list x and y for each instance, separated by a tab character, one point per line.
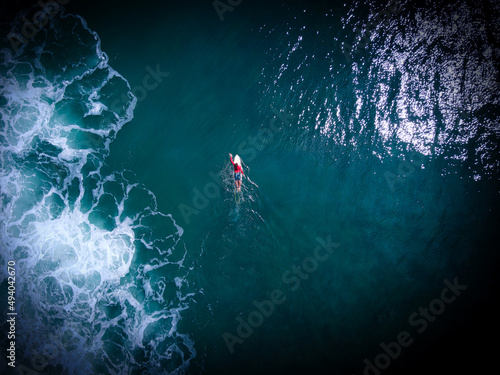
237	160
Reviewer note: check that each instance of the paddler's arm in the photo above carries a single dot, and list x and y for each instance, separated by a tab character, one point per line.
231	157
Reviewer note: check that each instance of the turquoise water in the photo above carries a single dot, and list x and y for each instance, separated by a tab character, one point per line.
372	183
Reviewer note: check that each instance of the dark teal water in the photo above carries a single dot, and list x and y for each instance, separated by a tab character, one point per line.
370	199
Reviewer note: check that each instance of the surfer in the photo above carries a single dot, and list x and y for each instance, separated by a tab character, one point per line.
238	172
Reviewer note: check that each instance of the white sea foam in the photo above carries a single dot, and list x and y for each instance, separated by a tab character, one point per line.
75	231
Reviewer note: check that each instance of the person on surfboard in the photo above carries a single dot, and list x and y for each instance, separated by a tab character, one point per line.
238	172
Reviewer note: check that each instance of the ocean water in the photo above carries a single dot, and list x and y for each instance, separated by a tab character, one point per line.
363	241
